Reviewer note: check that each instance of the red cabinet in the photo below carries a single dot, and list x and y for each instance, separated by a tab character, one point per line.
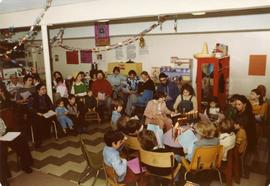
212	79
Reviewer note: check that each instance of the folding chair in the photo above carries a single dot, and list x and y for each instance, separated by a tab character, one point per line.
205	158
53	129
132	143
93	160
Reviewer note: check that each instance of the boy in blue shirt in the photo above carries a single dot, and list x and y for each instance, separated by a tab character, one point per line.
111	156
114	140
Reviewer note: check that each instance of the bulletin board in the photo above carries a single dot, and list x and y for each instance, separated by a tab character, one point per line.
257	65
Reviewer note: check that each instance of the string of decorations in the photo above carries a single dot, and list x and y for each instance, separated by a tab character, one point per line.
54	42
30	34
128	41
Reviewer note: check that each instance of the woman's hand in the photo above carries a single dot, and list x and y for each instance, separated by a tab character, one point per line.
40	114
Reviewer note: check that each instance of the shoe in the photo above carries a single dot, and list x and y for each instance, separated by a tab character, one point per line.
27	170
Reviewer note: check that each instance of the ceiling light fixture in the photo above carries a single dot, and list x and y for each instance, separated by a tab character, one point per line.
101	21
198	13
0	1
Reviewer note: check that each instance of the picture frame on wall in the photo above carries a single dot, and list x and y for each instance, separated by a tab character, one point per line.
102	36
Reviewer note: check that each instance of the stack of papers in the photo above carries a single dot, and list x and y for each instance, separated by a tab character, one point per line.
10	136
49	114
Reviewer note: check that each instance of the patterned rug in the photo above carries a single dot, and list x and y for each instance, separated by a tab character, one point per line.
63	157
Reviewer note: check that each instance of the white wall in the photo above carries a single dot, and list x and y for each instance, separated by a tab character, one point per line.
108	9
162	47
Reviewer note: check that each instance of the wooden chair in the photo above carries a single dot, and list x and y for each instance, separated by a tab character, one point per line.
93	160
132	143
92	116
160	160
205	158
111	176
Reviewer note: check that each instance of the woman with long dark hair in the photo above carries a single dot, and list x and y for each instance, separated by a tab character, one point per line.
244	111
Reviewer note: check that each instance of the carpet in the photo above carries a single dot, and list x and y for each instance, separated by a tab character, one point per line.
39	179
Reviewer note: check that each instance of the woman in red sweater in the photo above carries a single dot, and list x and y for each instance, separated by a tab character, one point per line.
102	89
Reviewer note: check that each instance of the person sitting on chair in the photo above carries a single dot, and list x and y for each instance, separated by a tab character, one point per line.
114	141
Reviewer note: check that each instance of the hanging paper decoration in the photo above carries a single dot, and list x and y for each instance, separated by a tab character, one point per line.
175	24
86	56
31	33
72	57
142	42
102	36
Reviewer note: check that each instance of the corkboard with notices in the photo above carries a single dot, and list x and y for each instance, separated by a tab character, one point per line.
257	65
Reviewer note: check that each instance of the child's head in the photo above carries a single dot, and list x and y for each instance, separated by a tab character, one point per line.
117	105
205	130
226	126
90	92
147	139
239	123
213	102
114	138
60	102
122	122
133	127
59	80
160	96
71	99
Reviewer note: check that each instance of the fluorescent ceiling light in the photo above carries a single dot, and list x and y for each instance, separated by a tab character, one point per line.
198	13
0	1
101	21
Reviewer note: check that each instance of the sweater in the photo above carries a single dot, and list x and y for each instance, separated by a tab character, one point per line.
102	86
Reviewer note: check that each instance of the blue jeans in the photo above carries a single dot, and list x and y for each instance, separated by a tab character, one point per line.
65	122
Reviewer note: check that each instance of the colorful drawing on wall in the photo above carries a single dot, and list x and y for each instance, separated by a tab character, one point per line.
257	65
102	36
86	56
72	57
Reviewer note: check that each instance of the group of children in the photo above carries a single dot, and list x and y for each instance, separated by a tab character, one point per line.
228	128
71	111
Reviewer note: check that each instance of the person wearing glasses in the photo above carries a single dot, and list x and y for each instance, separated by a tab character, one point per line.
169	88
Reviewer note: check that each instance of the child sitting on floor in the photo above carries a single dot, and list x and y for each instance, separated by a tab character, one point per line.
62	118
117	106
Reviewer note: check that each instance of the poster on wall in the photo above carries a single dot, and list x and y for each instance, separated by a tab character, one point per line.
119	53
257	65
131	51
72	57
102	35
86	56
